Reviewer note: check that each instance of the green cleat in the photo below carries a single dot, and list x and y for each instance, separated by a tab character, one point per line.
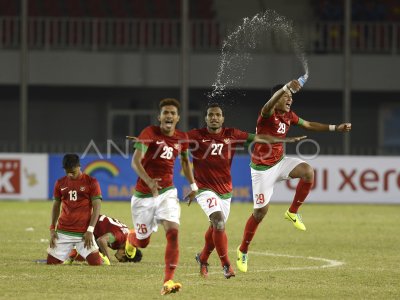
104	259
241	260
296	220
130	250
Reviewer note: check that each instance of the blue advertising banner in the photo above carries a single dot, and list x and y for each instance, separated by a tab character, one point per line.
117	179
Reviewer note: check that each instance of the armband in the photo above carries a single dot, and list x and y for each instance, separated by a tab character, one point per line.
332	127
90	229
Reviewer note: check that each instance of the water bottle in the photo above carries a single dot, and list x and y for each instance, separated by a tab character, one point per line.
302	80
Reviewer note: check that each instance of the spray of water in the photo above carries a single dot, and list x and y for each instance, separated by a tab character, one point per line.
237	49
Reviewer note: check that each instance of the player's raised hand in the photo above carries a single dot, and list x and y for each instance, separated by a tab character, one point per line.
132	138
190	197
294	86
295	139
344	127
88	239
53	238
153	186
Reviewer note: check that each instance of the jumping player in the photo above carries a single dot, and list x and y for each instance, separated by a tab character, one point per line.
80	197
213	148
155	199
269	164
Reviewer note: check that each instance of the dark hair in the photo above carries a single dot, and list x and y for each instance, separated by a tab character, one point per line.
214	105
70	161
169	101
276	88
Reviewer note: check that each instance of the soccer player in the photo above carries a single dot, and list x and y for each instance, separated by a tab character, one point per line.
110	233
213	148
269	164
80	197
155	199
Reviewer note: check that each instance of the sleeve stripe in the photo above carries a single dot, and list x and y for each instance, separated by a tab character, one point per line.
300	122
250	138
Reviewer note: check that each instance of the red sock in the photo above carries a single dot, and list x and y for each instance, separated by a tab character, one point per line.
94	259
208	246
171	254
249	232
221	245
133	240
51	260
302	190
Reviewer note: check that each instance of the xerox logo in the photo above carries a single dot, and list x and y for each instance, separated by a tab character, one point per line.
10	176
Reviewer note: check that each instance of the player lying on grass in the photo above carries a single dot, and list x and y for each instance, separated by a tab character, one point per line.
269	164
110	233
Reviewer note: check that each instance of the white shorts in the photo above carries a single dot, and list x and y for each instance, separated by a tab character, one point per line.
210	202
263	181
148	212
65	243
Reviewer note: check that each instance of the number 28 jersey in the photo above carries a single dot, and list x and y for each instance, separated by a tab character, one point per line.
160	154
76	196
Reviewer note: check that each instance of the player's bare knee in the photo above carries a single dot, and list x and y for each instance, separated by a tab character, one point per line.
260	213
308	174
220	225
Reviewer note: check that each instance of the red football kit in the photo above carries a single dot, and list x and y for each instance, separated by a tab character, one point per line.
119	230
160	154
76	196
274	125
212	157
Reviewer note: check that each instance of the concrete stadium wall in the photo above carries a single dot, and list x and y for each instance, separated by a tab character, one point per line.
370	72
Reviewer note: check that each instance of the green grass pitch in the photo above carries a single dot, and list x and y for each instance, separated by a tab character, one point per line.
347	252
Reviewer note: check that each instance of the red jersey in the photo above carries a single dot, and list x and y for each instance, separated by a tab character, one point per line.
119	230
274	125
76	196
160	153
212	157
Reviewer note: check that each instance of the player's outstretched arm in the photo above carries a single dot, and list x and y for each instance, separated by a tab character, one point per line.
315	126
136	164
268	107
188	172
131	138
268	139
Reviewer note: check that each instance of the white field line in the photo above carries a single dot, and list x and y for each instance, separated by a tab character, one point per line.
328	263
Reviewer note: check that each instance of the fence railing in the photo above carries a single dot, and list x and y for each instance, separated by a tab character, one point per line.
157	34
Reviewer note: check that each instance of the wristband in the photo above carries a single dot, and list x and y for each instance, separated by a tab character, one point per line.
194	187
52	227
90	229
286	89
332	127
